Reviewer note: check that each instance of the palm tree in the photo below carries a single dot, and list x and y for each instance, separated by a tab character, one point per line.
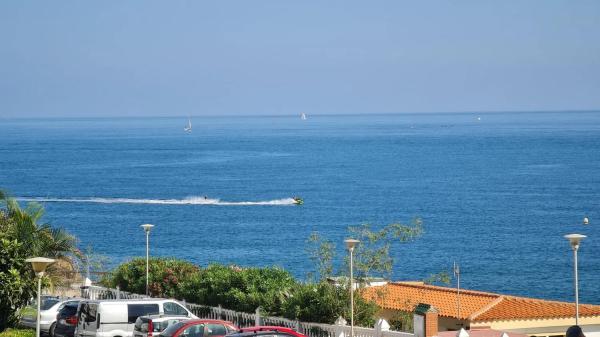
22	236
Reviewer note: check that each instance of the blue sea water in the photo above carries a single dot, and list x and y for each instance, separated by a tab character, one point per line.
495	194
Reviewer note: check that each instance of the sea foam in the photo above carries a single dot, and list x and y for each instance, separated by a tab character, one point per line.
192	200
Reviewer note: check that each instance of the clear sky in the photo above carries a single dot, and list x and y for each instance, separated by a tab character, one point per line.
162	58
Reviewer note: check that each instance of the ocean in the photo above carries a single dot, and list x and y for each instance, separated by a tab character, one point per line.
496	191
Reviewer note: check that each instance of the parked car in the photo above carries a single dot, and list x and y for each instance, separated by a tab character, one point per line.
66	320
199	328
152	325
266	331
49	307
116	318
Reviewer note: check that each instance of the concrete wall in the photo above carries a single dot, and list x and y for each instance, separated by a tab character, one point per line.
544	327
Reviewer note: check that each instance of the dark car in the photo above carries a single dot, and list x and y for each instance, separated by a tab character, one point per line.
266	331
66	320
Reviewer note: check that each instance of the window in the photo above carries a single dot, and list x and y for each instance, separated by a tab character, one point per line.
168	332
49	303
136	310
89	312
172	308
193	331
69	310
216	330
165	324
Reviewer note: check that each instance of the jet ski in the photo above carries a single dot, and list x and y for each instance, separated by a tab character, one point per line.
298	201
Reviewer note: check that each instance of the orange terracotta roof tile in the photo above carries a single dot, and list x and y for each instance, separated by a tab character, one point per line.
405	296
474	305
512	307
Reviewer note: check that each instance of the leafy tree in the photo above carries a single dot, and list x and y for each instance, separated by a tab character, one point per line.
321	252
21	236
372	255
166	276
372	258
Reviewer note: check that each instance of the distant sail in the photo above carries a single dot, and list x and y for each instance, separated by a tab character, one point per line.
303	116
188	128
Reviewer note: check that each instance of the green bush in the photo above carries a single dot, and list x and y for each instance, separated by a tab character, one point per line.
272	289
18	333
166	276
241	289
324	303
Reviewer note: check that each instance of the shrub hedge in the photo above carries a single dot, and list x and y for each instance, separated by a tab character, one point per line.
272	289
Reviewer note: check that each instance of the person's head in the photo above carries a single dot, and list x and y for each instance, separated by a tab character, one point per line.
574	331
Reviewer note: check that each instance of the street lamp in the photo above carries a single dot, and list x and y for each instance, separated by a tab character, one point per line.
574	240
350	244
147	227
39	265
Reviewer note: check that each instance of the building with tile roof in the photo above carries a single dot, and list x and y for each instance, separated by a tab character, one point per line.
475	309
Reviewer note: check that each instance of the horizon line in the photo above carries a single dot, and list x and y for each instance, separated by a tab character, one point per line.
300	112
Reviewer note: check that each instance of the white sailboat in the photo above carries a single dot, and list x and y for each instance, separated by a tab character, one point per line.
188	128
303	116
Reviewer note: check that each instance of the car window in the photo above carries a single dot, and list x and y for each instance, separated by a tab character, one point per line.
216	330
136	310
165	324
172	308
170	331
68	310
196	330
89	312
48	303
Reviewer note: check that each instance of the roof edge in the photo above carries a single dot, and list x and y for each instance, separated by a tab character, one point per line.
495	302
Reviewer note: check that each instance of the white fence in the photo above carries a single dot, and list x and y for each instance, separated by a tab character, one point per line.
244	319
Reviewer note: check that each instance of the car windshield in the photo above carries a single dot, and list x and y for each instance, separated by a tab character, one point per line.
69	310
48	303
170	331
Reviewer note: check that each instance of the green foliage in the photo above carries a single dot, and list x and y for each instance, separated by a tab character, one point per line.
372	255
272	289
17	283
441	278
166	276
324	303
242	289
321	252
18	333
21	236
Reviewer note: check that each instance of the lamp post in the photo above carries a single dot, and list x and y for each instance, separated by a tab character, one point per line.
147	227
350	244
574	240
39	265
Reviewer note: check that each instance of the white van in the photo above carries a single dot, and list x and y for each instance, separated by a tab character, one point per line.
116	318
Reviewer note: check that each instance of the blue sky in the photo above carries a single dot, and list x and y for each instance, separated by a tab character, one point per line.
162	58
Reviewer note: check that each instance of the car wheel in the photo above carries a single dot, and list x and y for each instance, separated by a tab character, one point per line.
51	330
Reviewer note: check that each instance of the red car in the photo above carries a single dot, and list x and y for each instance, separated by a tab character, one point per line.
199	328
267	331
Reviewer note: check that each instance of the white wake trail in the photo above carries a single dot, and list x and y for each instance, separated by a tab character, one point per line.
186	201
